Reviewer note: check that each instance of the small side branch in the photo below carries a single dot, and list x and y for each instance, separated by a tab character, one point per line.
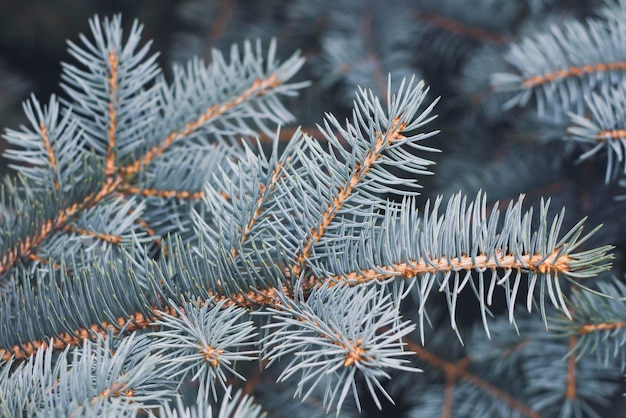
258	88
603	326
26	247
51	155
134	322
458	28
166	194
277	174
151	232
539	80
44	261
358	176
603	136
30	244
111	239
109	167
465	263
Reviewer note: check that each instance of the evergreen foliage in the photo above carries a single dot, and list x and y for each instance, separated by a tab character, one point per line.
168	248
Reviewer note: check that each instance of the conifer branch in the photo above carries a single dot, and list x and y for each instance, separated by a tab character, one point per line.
205	339
532	263
602	129
43	261
600	327
113	84
316	331
116	178
305	239
134	322
165	194
611	134
558	75
579	66
30	244
256	298
264	190
359	172
258	88
51	155
125	325
112	239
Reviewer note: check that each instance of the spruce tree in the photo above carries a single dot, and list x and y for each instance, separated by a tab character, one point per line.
170	247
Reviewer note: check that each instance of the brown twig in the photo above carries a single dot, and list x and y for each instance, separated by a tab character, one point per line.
458	370
573	72
458	28
218	25
603	326
551	264
109	161
134	322
51	155
165	194
571	371
358	175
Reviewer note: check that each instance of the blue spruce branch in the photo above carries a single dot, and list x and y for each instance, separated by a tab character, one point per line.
293	256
